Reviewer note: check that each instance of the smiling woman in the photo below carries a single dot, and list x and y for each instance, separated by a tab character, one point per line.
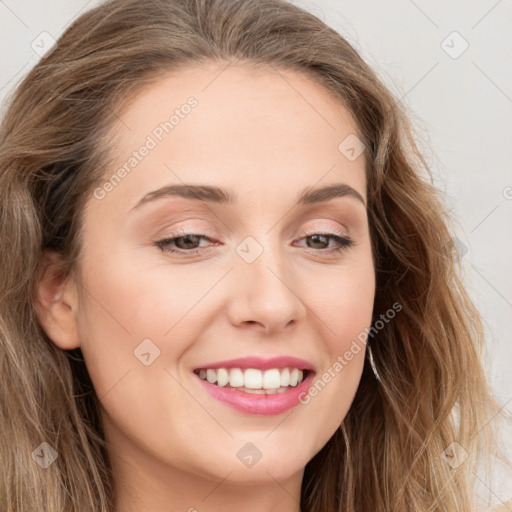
208	209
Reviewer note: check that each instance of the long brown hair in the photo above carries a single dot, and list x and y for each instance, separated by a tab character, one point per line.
388	453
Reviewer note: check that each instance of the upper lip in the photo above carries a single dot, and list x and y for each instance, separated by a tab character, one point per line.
260	363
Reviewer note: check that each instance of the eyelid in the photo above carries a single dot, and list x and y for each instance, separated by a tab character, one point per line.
186	229
319	228
314	228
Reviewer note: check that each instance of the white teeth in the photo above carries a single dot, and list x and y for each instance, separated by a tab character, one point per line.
236	377
255	391
253	378
285	377
262	391
294	377
222	377
211	376
270	381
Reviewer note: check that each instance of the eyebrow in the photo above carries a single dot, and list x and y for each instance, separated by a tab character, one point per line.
219	195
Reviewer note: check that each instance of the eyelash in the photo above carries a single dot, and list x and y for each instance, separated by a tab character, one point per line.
344	241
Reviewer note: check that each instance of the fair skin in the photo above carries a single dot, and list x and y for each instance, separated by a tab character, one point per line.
173	446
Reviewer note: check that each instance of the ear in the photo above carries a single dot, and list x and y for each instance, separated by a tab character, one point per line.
56	301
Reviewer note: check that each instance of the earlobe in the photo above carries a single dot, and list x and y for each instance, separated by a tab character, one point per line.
56	301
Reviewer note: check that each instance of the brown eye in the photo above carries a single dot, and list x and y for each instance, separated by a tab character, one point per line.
187	241
322	240
319	242
182	243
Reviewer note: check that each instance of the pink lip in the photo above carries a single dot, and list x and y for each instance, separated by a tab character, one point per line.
260	363
258	403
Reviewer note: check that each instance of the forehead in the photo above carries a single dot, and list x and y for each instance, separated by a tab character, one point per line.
260	130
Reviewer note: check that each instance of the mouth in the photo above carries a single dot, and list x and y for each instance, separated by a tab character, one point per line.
253	380
255	384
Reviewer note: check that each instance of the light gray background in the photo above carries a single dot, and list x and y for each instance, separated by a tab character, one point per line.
462	107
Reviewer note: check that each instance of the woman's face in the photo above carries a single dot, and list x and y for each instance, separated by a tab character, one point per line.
261	276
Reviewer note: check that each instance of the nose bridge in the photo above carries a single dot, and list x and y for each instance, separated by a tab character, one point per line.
267	289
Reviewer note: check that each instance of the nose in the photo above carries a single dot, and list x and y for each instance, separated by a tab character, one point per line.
267	294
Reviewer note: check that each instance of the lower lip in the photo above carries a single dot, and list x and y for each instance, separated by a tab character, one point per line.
251	403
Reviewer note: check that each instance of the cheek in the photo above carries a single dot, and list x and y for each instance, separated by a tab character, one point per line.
343	307
125	298
343	299
125	314
139	309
